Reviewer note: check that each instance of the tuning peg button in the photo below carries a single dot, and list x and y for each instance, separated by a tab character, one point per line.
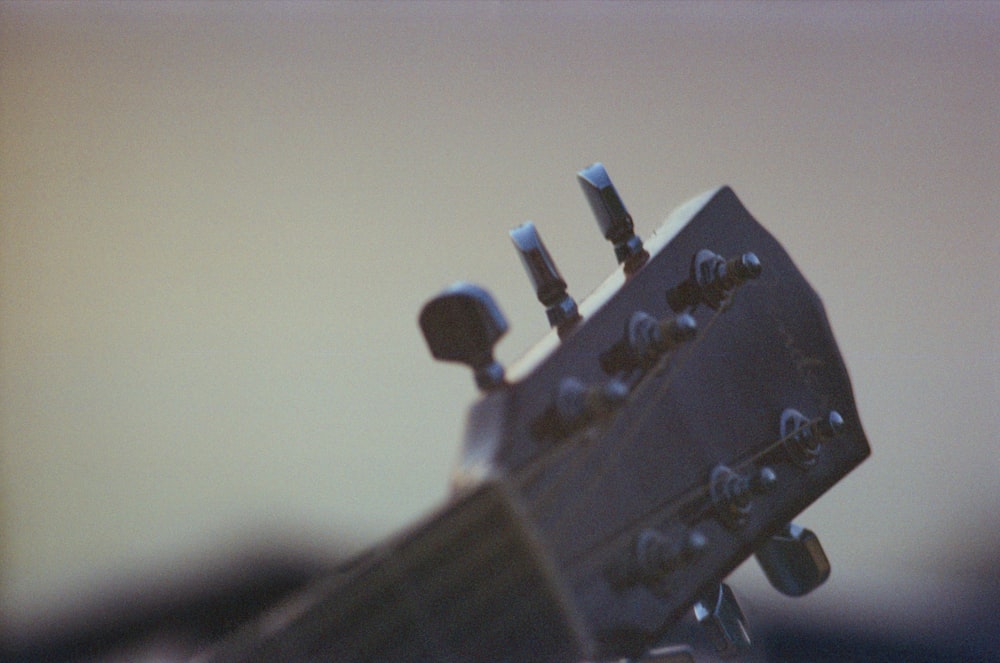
550	287
794	561
721	616
463	324
612	217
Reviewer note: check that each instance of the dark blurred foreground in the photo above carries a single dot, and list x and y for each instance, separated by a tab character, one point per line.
174	621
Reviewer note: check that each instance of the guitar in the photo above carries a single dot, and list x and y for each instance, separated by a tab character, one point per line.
669	426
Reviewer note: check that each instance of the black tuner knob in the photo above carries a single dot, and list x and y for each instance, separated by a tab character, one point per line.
720	615
550	288
463	324
794	561
612	217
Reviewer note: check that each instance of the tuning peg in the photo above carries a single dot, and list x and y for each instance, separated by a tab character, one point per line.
712	279
732	492
720	615
463	324
793	561
646	339
649	338
576	403
612	217
803	438
550	288
655	554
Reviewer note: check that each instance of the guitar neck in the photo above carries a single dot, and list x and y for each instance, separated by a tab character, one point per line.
469	582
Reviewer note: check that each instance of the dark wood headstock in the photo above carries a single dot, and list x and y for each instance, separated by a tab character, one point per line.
672	424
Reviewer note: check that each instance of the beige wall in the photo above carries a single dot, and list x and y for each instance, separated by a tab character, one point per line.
218	222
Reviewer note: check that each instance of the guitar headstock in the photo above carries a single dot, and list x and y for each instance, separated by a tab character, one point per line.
670	425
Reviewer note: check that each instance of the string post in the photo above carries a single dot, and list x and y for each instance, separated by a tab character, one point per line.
655	554
803	438
732	492
713	279
577	403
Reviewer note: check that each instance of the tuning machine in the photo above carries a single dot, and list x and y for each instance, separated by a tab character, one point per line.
613	219
462	324
793	561
723	620
550	287
731	492
576	405
646	339
712	279
803	438
655	554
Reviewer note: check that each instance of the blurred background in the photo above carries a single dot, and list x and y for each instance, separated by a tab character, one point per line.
218	223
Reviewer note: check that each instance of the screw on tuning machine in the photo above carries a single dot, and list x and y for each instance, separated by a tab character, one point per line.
612	217
712	280
550	287
463	324
793	561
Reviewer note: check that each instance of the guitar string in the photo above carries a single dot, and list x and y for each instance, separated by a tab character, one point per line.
583	455
578	456
669	508
673	363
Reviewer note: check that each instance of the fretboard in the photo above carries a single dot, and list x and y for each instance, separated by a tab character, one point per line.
469	584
